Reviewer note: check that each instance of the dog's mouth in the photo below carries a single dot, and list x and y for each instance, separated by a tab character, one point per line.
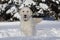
26	18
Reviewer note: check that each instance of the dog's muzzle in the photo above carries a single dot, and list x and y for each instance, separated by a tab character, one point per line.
25	16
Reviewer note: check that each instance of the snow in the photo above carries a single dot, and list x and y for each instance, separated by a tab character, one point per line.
57	2
43	0
41	11
2	0
9	33
0	6
17	15
12	10
27	2
19	2
9	23
43	29
4	5
43	6
10	1
48	29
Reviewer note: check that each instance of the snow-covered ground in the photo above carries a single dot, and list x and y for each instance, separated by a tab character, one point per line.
45	30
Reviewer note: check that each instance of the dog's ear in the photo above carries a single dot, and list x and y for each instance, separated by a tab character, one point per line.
31	12
19	11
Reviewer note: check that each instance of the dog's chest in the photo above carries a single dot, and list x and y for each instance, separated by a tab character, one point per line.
27	24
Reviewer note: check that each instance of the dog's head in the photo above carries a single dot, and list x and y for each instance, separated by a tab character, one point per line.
25	13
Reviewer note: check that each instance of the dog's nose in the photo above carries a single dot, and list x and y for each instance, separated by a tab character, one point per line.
25	16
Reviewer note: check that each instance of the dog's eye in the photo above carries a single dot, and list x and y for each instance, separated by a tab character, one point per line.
23	11
27	11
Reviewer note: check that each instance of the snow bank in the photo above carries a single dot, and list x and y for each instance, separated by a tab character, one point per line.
43	29
9	23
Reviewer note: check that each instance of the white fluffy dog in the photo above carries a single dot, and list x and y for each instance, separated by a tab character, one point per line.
27	22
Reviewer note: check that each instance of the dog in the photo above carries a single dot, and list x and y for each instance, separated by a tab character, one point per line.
27	22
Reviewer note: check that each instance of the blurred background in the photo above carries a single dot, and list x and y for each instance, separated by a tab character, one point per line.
46	9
